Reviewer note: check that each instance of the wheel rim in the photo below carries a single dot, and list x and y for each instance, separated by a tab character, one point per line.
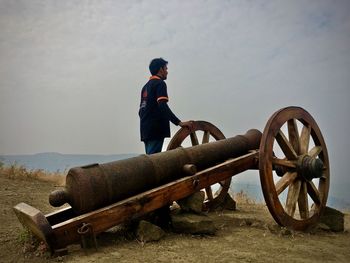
294	200
184	137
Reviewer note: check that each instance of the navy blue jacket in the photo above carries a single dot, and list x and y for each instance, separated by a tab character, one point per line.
154	111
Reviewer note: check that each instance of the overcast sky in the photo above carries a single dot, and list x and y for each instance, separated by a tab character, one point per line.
71	71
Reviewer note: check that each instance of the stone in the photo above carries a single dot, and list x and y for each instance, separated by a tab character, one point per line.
332	218
147	232
229	203
193	224
323	227
192	203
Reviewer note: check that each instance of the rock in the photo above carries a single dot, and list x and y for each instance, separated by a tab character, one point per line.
323	227
229	203
332	218
193	224
192	203
147	232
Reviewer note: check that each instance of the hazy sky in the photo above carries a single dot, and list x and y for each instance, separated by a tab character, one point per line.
71	71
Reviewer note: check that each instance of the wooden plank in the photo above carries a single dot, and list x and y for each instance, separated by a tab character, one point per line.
293	134
60	215
286	180
315	151
305	139
194	138
35	221
303	202
284	162
209	193
313	192
292	197
205	138
285	146
107	217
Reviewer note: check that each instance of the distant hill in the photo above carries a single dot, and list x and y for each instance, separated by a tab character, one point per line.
57	162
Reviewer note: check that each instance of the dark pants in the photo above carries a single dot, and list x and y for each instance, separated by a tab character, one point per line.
153	146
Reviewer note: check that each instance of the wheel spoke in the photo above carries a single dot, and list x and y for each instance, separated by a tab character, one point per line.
206	135
314	152
194	138
324	173
292	197
209	193
313	192
303	202
305	139
293	134
283	162
286	180
286	147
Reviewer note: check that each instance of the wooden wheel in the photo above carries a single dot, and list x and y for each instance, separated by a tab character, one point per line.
207	131
294	168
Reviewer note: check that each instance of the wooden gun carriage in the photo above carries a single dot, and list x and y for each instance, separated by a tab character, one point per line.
291	156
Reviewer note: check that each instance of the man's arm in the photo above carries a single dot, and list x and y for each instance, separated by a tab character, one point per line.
166	111
164	108
162	99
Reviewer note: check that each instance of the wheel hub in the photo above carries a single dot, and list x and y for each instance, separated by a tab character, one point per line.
309	167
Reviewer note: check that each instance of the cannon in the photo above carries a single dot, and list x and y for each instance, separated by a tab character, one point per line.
93	186
290	154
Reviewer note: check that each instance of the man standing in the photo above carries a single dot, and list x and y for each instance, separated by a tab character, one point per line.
154	111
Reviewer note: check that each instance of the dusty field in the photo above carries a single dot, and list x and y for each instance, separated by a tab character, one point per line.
246	235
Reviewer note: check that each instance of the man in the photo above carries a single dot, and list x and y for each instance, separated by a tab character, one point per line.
154	111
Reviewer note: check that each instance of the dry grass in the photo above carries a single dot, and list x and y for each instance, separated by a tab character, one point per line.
243	198
20	172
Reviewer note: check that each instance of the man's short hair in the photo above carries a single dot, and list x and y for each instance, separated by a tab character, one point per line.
156	64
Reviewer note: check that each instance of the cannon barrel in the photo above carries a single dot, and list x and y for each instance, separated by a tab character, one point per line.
97	185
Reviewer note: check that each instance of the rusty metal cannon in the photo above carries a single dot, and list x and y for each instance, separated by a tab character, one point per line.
97	185
291	156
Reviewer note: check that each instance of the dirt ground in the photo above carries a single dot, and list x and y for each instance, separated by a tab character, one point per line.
246	235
